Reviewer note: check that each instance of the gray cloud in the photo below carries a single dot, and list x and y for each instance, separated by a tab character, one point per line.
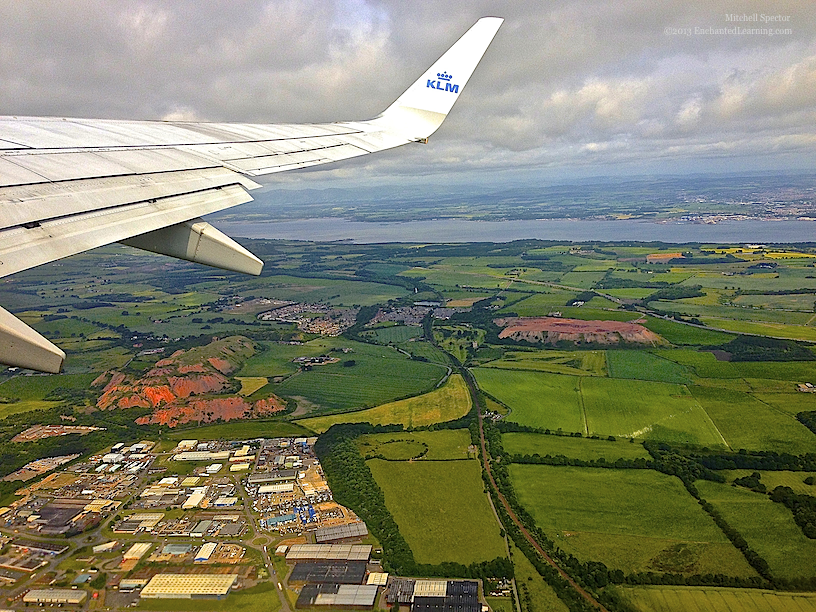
567	84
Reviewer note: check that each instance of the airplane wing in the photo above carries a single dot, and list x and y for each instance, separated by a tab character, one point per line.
69	185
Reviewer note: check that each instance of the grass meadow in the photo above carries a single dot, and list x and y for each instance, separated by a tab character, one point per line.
378	375
643	409
578	363
449	402
444	444
745	422
575	448
529	582
24	393
768	528
642	365
441	509
716	599
773	479
634	520
535	399
680	334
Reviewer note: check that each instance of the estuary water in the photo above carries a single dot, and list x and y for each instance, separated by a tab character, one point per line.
456	230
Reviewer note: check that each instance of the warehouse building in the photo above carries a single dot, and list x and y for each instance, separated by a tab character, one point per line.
189	586
329	552
334	533
328	572
457	596
137	551
361	597
205	552
74	597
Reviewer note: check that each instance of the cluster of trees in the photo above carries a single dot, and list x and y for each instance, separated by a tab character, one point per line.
760	348
808	419
802	506
751	482
754	460
582	297
620	463
354	486
676	292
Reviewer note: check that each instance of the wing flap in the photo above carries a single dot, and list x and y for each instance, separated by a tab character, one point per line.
22	347
22	248
200	242
54	200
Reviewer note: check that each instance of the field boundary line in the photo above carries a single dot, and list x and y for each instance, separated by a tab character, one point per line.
583	406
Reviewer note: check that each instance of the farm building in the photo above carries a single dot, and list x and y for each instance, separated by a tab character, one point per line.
189	586
334	533
329	552
328	572
337	596
55	596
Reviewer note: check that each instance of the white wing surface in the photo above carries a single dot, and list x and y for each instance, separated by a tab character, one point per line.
69	185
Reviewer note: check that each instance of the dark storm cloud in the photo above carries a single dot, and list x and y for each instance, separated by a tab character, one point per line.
565	84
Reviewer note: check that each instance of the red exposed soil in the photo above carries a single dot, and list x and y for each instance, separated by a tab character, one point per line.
222	365
170	386
209	410
554	329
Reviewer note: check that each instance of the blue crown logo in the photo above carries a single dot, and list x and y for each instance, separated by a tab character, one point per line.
444	76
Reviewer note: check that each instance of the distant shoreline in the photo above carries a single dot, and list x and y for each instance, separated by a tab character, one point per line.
457	230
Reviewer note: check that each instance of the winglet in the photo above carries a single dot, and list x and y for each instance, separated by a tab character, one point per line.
419	111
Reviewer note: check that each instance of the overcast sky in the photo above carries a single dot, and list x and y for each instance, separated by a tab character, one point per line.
568	88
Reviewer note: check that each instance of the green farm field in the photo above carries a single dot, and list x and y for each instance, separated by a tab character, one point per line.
708	599
745	422
529	583
579	363
449	402
24	393
634	520
680	334
441	509
642	365
768	528
379	374
643	409
536	399
575	448
445	444
541	304
773	479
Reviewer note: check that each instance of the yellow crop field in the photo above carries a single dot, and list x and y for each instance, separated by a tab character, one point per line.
250	384
449	402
